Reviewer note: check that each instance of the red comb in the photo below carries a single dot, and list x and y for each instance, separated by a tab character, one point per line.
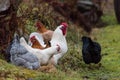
33	37
38	24
64	24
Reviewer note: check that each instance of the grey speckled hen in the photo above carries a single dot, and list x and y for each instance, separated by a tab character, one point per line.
21	57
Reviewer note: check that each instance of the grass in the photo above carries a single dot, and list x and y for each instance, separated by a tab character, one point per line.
110	47
71	66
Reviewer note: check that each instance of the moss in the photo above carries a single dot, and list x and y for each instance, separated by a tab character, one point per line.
8	70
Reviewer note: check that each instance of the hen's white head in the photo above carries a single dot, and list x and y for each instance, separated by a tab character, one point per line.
63	28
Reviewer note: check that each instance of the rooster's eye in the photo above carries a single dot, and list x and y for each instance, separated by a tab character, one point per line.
62	28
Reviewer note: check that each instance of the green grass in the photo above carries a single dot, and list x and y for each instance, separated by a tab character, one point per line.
110	42
71	66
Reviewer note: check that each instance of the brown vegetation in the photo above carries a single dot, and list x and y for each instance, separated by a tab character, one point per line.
8	25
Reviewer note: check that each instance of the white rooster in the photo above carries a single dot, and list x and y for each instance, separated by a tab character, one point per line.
59	38
42	55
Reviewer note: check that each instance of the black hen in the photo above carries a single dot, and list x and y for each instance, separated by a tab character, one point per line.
91	51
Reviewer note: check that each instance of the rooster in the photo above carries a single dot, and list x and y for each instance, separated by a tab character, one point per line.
91	51
43	55
20	55
47	34
59	38
36	44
